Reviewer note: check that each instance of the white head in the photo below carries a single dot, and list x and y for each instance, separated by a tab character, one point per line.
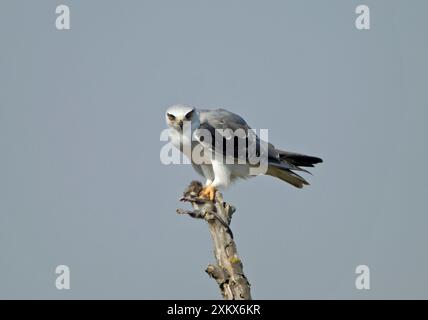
178	114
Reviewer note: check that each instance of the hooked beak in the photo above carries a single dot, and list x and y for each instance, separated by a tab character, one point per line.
180	123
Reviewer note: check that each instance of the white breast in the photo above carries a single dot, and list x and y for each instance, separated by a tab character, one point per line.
185	145
181	142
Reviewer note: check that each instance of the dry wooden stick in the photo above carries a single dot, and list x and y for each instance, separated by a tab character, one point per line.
228	270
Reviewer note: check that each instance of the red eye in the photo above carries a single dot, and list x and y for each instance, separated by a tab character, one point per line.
170	117
189	115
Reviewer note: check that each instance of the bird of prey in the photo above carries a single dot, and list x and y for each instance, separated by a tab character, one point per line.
218	172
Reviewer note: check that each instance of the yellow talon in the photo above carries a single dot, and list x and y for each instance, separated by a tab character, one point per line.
208	192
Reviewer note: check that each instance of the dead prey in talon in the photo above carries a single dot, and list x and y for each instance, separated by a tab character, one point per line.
223	148
203	208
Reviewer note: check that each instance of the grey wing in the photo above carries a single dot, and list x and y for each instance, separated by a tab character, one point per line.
281	164
222	119
231	136
226	121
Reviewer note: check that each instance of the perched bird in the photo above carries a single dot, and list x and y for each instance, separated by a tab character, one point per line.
218	172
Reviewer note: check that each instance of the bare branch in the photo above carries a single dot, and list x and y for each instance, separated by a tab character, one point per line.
228	271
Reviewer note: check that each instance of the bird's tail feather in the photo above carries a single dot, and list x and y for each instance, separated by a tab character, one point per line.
287	176
298	159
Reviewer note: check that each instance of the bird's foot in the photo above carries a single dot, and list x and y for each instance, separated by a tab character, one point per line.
208	192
